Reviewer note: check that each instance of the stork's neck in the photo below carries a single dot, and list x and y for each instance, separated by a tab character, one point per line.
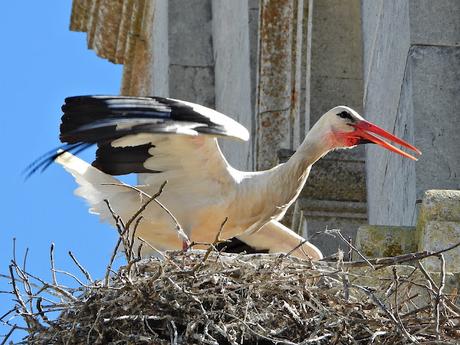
290	177
269	193
314	146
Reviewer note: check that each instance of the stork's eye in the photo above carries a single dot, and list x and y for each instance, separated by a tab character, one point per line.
345	115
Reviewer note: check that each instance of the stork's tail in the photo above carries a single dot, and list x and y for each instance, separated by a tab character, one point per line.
95	186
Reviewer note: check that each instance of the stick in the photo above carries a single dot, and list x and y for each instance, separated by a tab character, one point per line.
337	231
112	259
179	228
144	206
9	334
211	247
84	271
53	272
131	241
382	306
439	295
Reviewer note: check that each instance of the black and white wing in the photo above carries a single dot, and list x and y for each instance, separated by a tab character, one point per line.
145	135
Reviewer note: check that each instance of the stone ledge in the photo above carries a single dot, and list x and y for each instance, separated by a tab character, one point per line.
368	277
110	25
332	208
375	241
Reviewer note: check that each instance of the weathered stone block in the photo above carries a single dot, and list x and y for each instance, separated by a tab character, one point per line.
391	180
336	41
426	14
438	235
441	205
194	84
332	178
438	227
382	241
435	79
190	33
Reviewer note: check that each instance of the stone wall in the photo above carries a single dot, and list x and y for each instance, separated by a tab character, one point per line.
412	83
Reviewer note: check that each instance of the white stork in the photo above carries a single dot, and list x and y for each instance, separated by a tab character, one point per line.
164	139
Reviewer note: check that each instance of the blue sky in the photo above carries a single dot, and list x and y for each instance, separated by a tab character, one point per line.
41	63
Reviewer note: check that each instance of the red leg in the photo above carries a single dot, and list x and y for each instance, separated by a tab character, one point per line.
185	246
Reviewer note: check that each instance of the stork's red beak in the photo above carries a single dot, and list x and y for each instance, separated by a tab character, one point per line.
362	129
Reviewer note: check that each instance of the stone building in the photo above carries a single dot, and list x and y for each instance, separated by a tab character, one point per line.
277	65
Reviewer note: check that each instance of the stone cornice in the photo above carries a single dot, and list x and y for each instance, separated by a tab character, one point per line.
119	31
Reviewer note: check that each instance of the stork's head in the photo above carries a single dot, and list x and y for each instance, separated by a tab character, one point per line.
346	128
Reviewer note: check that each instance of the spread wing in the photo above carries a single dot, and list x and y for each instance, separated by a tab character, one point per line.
148	135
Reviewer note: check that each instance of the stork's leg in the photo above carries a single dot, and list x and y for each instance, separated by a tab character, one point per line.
185	246
277	238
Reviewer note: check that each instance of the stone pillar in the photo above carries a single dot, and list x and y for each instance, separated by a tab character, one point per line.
412	83
232	73
190	51
335	193
278	78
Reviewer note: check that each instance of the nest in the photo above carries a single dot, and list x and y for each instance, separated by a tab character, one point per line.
200	297
210	297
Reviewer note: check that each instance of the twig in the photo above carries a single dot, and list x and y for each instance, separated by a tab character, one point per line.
112	259
25	260
53	272
118	221
439	295
382	306
350	250
337	231
173	332
132	240
453	308
151	247
14	249
396	280
41	312
71	275
380	263
31	322
346	287
145	204
122	229
211	247
295	248
179	228
82	269
416	256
